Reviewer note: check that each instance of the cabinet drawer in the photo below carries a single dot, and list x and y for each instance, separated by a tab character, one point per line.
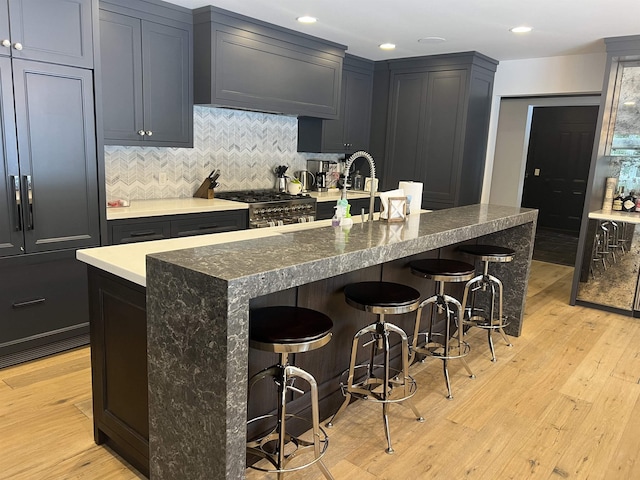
204	224
140	231
42	302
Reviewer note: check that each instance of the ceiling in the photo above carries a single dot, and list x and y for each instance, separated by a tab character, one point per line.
560	27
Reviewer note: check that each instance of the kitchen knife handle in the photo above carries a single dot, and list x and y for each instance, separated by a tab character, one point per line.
27	188
17	211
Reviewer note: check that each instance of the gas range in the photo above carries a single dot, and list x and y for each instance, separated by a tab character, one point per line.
269	208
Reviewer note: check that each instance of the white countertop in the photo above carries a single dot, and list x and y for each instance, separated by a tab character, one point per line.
334	196
128	261
172	206
176	206
617	216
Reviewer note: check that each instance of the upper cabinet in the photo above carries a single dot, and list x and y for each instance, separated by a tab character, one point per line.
437	125
248	64
54	31
350	132
146	61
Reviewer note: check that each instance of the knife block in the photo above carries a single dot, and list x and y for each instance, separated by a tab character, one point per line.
205	190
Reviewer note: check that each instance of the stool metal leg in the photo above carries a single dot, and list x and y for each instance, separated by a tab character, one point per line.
380	342
282	374
441	302
493	322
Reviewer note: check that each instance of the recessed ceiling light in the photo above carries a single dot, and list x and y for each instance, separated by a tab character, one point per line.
387	46
431	40
629	104
520	29
307	19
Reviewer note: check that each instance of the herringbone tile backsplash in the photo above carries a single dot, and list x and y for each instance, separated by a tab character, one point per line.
245	146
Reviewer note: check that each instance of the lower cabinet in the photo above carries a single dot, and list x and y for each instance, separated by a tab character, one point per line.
43	306
324	210
157	228
119	366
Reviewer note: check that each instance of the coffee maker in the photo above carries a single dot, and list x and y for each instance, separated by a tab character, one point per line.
320	169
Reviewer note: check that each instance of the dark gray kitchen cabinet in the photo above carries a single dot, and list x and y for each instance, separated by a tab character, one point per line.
43	306
248	64
133	230
49	207
146	78
56	31
350	132
437	126
51	199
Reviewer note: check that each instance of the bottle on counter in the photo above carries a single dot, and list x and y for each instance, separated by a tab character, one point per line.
617	200
629	202
358	181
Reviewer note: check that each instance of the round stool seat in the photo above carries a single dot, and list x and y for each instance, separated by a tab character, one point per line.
489	253
288	329
443	270
382	297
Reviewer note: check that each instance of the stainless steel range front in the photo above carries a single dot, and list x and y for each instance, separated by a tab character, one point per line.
268	208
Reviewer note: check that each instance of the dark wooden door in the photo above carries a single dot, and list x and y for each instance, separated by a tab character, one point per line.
558	160
121	58
11	238
57	31
56	146
441	154
166	83
357	112
405	129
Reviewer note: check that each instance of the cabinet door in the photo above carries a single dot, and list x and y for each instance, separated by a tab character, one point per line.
10	219
57	31
4	27
121	58
56	145
167	84
358	88
441	153
405	127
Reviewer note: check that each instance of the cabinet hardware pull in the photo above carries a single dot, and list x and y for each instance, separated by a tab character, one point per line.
26	188
148	133
17	46
6	43
28	303
141	132
142	234
17	211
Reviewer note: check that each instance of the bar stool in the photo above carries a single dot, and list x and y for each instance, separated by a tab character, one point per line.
475	317
390	385
286	330
442	345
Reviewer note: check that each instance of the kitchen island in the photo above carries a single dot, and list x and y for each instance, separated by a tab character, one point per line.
198	301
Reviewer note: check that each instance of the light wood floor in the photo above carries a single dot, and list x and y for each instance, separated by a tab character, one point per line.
561	403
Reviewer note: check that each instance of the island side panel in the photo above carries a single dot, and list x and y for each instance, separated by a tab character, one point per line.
515	274
197	348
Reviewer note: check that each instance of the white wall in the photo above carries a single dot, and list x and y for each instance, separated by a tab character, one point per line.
567	75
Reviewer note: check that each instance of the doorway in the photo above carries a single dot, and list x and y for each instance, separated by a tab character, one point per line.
556	173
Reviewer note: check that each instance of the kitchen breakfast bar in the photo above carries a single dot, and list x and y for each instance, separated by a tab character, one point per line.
193	303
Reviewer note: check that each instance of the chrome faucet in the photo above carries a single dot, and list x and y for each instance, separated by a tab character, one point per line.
372	167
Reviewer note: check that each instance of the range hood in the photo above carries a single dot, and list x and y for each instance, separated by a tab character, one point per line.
247	64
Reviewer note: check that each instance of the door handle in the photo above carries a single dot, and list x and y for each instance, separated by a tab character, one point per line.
28	303
17	210
27	188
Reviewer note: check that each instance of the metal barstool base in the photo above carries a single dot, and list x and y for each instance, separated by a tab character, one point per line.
395	386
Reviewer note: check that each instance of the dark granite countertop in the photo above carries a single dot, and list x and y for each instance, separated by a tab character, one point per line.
278	262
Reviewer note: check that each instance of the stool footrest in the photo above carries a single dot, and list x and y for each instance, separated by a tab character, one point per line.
296	446
484	322
372	388
437	349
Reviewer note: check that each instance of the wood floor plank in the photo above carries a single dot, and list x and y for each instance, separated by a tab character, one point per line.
625	462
